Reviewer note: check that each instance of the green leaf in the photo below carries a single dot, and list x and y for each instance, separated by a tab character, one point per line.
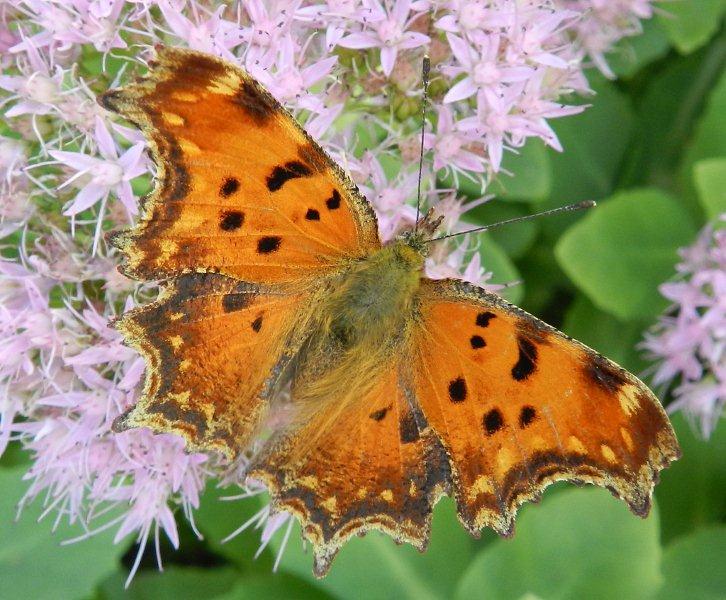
689	25
275	586
217	518
693	567
514	239
635	52
709	138
468	184
601	331
375	566
174	583
15	456
577	544
710	178
33	564
545	282
594	145
675	95
691	491
531	174
494	259
622	251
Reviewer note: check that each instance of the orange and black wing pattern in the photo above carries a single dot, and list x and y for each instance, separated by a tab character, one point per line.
241	189
376	468
518	405
213	348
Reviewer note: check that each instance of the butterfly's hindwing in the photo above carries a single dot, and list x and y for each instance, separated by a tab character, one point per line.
199	340
376	467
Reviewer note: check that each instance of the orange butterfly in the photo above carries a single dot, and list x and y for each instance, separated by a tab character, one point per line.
404	388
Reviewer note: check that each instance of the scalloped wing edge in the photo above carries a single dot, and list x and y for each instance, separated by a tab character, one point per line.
400	529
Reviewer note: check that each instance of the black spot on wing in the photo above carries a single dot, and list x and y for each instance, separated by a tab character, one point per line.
604	375
231	220
457	389
257	324
379	415
229	187
526	416
477	342
268	244
312	215
493	421
281	174
334	201
527	362
483	318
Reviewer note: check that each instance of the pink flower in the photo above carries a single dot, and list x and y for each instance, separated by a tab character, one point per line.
109	173
689	344
460	263
389	33
290	83
482	67
214	34
269	23
77	22
389	197
37	89
337	17
449	145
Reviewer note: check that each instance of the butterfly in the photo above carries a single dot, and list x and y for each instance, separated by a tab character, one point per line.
403	388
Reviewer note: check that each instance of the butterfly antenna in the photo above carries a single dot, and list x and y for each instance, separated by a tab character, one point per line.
554	211
425	69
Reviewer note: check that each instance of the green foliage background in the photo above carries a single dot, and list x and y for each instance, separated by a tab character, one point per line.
652	151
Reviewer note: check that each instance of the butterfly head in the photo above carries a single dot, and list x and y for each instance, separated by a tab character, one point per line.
423	231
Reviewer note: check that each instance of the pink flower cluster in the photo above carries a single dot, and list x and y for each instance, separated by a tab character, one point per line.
348	69
689	342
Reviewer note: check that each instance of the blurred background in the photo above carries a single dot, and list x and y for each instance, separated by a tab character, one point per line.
651	150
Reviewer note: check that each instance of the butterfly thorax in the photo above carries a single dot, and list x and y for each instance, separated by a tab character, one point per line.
371	299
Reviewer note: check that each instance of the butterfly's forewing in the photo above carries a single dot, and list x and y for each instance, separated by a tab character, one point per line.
242	189
373	468
211	344
518	405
